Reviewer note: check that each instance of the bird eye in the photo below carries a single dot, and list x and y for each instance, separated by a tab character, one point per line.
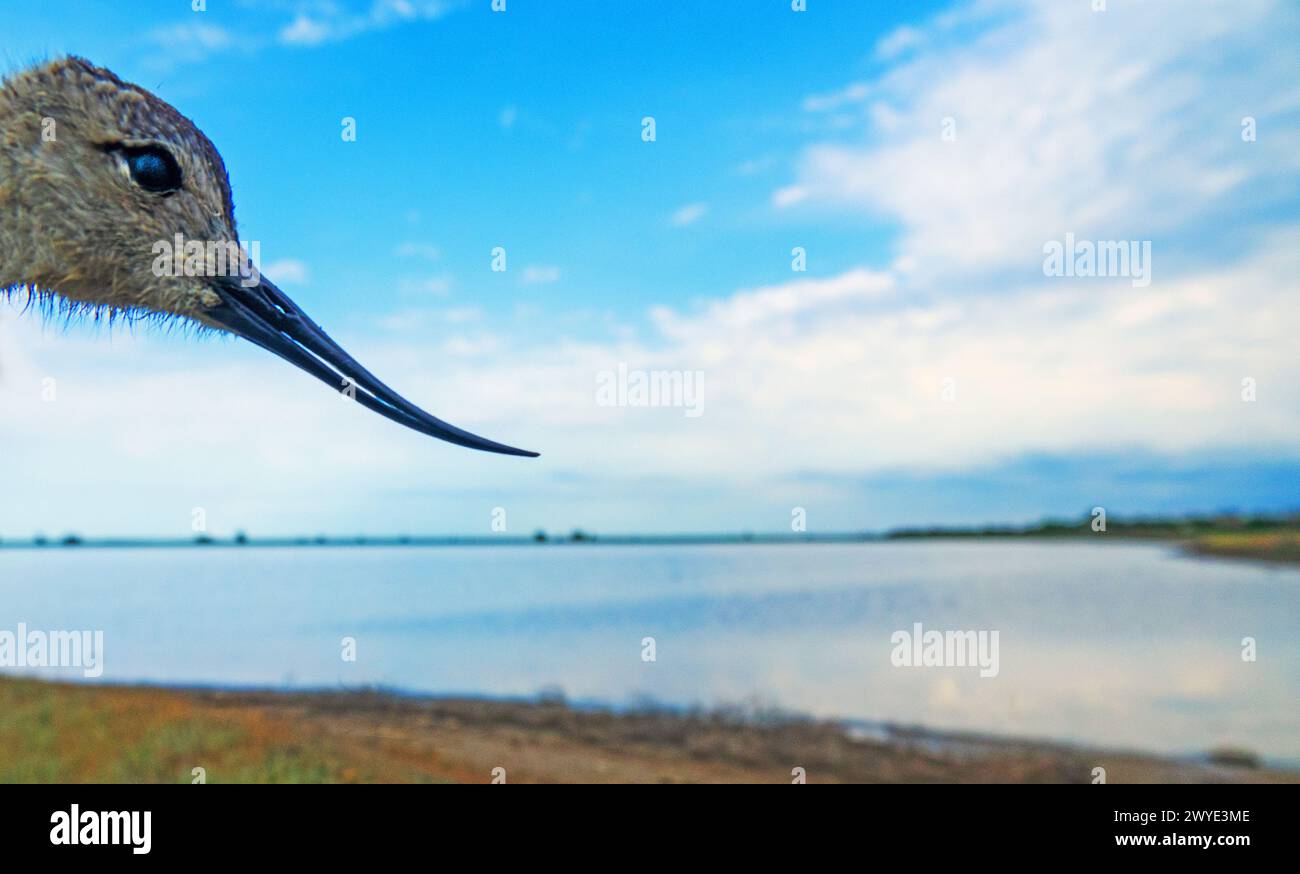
154	169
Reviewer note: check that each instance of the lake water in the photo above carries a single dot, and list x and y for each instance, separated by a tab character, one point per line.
1110	644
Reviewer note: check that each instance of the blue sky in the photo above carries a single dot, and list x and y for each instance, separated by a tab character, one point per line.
923	369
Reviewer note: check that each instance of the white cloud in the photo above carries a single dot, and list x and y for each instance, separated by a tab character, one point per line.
689	214
460	315
540	274
853	93
188	42
313	24
304	30
435	286
421	319
790	195
755	166
200	35
472	347
426	251
330	23
776	307
287	271
898	42
1114	125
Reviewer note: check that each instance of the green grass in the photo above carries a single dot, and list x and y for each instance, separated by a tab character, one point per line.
96	734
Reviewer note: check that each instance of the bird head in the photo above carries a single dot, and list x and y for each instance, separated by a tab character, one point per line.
97	173
110	198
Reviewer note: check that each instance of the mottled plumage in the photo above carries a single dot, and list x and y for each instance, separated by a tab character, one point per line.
71	221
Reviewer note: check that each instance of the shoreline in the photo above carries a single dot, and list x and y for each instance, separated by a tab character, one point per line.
1274	539
70	732
1277	548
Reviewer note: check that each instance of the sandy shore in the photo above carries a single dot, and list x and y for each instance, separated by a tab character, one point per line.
75	733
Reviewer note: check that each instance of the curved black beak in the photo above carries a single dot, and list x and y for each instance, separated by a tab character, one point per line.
263	314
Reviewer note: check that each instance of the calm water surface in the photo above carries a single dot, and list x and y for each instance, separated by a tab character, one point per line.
1107	644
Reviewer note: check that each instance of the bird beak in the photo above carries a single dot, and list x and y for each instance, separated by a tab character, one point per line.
265	315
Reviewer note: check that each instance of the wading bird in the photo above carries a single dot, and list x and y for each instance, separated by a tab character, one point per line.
98	176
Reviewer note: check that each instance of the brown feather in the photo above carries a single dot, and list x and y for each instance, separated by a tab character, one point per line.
72	223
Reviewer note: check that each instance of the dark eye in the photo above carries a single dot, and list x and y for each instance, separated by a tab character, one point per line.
154	169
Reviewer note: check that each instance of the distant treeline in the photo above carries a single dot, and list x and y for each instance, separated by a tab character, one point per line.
537	538
1159	527
1154	527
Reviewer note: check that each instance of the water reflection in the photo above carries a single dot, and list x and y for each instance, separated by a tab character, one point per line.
1113	644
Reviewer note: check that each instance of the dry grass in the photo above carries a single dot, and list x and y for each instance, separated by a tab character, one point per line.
1275	546
75	733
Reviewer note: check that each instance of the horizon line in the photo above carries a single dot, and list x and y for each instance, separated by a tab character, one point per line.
1047	526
